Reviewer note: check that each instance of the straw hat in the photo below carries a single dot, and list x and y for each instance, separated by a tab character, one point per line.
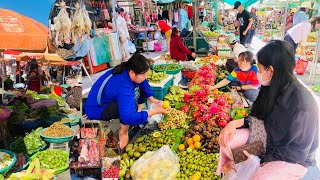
294	10
306	5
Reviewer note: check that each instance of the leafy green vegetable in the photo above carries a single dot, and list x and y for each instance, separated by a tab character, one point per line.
33	141
19	146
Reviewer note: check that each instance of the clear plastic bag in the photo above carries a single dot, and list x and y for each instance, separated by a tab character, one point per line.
160	164
155	118
245	169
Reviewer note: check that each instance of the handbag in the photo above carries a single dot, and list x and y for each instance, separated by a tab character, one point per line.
255	148
257	131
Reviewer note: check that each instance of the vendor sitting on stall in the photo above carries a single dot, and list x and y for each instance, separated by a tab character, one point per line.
244	77
236	48
166	29
120	93
178	50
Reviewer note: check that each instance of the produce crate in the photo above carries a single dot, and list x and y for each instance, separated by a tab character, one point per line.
162	89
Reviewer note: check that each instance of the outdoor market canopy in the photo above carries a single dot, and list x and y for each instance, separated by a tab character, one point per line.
18	32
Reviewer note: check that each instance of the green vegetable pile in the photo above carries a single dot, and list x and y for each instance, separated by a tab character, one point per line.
33	141
222	73
19	146
35	95
167	67
316	88
156	77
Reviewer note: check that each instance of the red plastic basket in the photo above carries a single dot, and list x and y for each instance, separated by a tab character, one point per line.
189	74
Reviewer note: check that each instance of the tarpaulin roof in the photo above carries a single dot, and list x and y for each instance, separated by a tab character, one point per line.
246	3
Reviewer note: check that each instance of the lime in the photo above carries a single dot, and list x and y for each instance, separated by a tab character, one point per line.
156	134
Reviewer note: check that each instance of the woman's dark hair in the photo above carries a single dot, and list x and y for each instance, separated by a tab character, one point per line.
160	17
175	31
248	56
34	65
137	63
303	9
280	55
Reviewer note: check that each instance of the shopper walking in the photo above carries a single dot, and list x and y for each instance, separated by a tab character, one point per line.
123	34
254	27
245	21
166	29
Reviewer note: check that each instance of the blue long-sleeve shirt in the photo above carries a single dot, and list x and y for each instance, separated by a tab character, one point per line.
118	89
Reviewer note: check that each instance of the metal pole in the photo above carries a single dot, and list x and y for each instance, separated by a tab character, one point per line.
145	29
195	22
314	61
64	74
265	20
285	20
2	80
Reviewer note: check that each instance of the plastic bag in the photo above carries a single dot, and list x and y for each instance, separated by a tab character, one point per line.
160	164
155	118
131	47
157	35
157	46
245	169
302	65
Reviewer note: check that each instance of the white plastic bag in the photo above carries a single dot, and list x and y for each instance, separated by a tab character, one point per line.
155	118
245	169
160	164
131	47
157	35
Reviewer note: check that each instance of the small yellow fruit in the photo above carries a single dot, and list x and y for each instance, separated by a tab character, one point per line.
156	134
197	145
190	141
166	104
191	146
189	150
181	147
196	138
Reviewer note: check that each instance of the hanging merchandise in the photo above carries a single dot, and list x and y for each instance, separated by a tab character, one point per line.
81	23
62	26
104	11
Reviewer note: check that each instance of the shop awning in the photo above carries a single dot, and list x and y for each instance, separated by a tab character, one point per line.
246	3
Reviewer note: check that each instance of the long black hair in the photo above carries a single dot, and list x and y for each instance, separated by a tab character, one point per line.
137	63
280	55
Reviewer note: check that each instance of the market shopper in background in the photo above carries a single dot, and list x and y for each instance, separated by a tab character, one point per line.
290	19
120	93
287	111
245	21
178	50
236	49
244	77
254	26
302	15
298	34
123	34
34	77
166	29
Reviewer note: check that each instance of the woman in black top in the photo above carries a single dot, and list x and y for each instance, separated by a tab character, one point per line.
290	116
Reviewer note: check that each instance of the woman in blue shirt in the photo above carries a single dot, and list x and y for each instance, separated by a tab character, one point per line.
120	93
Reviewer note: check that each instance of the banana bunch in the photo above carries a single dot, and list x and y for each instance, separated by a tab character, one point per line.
33	173
155	77
125	165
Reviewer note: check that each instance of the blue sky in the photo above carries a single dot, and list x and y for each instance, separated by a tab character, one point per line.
38	10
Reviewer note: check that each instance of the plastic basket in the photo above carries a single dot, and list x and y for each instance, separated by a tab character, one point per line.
6	169
160	92
25	165
56	139
189	74
58	170
29	124
168	71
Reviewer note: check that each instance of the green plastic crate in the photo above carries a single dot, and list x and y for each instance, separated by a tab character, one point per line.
201	44
160	92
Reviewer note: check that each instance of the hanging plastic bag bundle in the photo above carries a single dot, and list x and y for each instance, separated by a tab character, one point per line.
131	47
157	35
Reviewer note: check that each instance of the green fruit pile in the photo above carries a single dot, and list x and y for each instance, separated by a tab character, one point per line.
155	77
222	73
175	95
53	159
316	88
167	67
197	161
153	142
175	119
128	158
